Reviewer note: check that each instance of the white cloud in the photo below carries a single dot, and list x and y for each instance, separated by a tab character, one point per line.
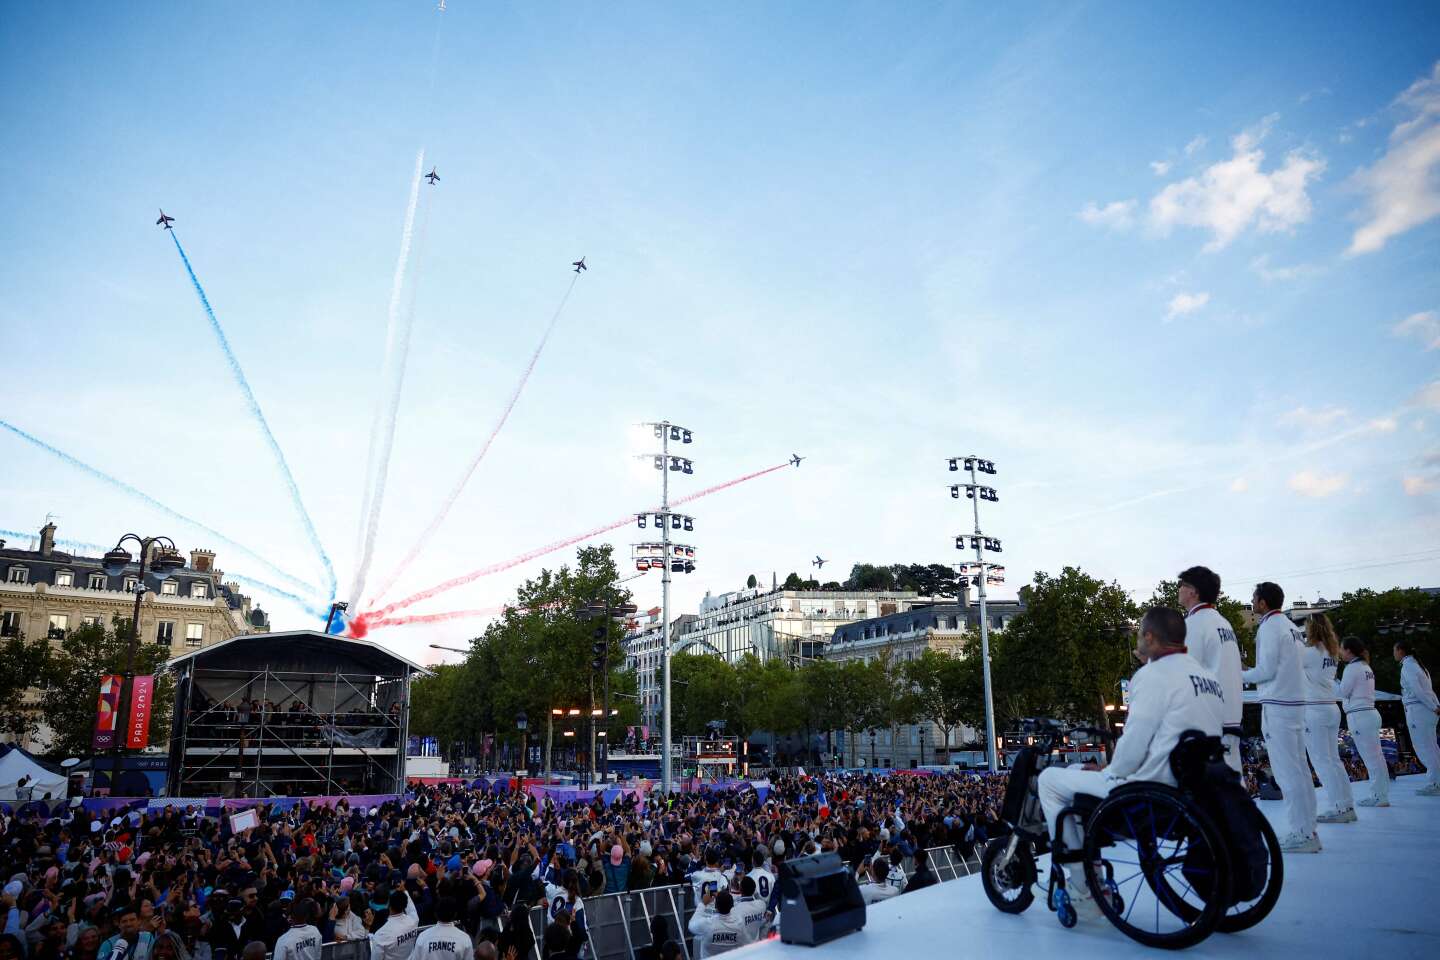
1269	274
1427	397
1195	146
1404	184
1383	425
1117	215
1239	485
1233	195
1423	326
1183	303
1307	483
1160	167
1308	419
1415	486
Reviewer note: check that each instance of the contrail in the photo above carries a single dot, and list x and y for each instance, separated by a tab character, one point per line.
259	416
387	400
156	504
385	612
449	502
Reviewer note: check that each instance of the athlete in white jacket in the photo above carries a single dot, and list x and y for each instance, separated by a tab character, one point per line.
396	937
443	941
1357	689
1171	694
1211	640
1422	710
1283	696
1318	660
718	927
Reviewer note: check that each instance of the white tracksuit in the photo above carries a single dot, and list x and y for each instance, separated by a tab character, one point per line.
443	941
1168	696
717	933
1281	683
1210	639
396	937
1420	706
1322	727
298	943
1357	689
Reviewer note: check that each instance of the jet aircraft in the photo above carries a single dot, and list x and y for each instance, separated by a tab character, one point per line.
819	562
165	221
579	265
433	177
795	459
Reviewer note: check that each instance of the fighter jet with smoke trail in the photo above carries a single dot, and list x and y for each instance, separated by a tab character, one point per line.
165	221
795	459
433	177
579	265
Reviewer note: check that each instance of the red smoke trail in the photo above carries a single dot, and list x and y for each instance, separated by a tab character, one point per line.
469	471
374	617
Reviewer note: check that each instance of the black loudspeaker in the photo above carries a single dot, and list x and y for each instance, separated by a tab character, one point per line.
819	900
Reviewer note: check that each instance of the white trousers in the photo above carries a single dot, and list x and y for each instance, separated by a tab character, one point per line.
1284	729
1365	731
1057	789
1322	743
1422	735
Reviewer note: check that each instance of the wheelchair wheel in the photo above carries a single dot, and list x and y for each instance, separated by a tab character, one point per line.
1245	914
1008	884
1156	866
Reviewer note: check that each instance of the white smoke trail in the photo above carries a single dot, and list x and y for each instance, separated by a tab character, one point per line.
387	400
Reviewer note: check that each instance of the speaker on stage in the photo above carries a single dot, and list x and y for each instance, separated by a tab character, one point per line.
819	900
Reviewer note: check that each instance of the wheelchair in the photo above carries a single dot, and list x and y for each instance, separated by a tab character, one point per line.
1159	861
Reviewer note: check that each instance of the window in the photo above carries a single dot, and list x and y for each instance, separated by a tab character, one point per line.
10	623
165	632
59	623
194	634
198	590
18	575
64	578
131	584
169	588
98	581
91	621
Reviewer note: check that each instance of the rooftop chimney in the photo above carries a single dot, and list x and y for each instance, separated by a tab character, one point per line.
202	561
47	539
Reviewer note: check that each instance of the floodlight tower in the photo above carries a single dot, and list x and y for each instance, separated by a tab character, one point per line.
682	561
982	544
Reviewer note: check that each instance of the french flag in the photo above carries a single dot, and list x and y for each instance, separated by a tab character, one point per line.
820	800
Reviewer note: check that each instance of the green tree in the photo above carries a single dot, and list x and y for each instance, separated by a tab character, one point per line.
71	683
705	688
867	576
750	582
947	690
25	664
1381	618
823	698
1066	652
793	582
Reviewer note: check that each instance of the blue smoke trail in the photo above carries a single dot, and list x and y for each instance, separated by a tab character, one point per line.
81	547
151	501
255	411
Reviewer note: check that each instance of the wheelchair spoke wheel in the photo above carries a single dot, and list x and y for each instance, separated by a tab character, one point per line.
1244	915
1156	866
1008	883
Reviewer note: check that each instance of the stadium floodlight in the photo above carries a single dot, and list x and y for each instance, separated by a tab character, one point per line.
640	519
668	561
979	574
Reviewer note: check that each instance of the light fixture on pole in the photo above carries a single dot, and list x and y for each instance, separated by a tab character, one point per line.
521	723
158	559
670	562
979	574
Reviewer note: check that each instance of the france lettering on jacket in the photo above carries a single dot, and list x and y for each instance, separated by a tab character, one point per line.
1207	685
442	946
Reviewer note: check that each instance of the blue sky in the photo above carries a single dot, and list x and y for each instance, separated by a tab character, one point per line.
1174	270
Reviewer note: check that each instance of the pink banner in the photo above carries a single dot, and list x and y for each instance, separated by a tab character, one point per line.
137	734
107	712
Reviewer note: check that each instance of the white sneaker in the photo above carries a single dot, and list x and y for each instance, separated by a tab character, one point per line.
1338	816
1295	843
1429	790
1372	802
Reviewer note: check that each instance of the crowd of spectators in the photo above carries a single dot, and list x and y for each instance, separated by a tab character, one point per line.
174	884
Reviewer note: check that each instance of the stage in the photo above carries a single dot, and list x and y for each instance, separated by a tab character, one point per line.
1371	892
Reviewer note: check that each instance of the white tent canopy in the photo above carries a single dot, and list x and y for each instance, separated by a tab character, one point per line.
16	764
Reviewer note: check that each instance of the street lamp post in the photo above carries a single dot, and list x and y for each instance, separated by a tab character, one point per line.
873	758
165	561
665	463
976	492
922	745
521	722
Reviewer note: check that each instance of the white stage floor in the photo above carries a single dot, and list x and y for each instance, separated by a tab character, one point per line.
1372	893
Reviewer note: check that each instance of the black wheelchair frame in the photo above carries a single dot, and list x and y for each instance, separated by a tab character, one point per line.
1186	864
